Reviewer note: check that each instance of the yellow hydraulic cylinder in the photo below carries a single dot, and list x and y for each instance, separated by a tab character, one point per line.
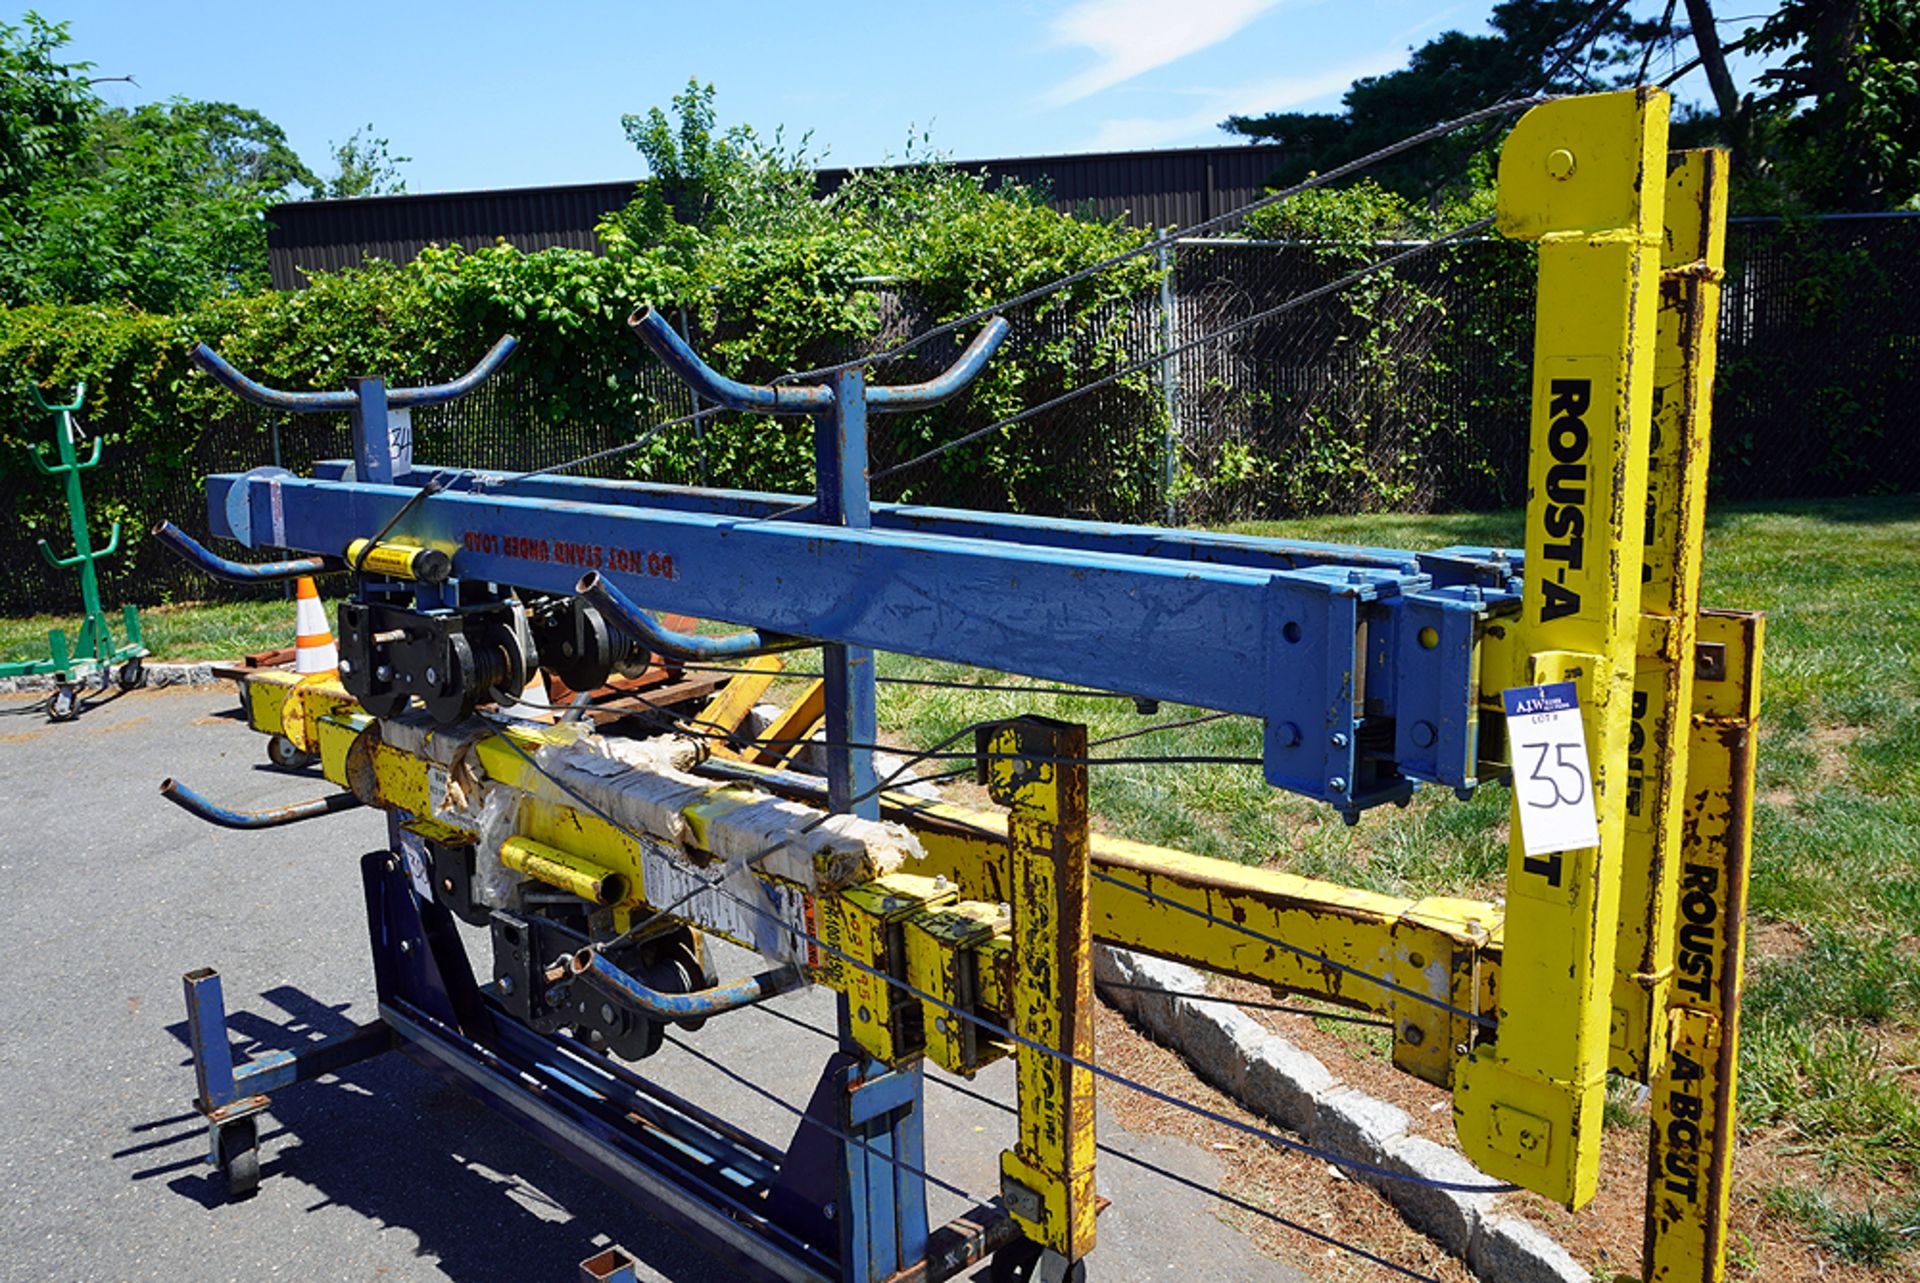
1585	178
401	561
592	882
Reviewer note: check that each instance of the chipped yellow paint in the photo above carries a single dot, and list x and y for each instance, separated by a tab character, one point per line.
1046	1180
266	692
1693	1128
1445	947
1691	260
960	954
1527	1107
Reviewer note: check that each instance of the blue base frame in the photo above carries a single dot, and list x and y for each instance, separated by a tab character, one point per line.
822	1211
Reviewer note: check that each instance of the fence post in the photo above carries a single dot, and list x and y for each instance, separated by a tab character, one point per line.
1169	389
699	425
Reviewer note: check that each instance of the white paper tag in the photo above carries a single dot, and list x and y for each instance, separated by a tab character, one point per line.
1551	778
413	853
666	879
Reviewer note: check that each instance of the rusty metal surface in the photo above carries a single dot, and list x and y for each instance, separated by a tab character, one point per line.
271	817
1046	1180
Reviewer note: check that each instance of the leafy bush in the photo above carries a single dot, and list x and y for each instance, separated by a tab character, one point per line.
1399	414
761	295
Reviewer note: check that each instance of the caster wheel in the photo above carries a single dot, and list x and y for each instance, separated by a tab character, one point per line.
287	755
64	704
132	675
240	1158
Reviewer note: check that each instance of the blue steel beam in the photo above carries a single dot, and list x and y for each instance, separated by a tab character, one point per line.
1489	567
1282	644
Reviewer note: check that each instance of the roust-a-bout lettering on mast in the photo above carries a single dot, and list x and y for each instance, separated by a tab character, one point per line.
1568	485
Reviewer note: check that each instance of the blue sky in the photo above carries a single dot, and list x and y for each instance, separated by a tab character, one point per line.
489	94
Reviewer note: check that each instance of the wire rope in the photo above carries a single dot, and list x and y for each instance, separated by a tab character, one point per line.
808	1119
1144	1165
787	928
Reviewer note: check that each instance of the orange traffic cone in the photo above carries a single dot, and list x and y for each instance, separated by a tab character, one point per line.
313	648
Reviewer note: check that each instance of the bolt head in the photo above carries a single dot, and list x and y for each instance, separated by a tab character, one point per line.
1340	739
1424	734
1560	164
506	984
1338	784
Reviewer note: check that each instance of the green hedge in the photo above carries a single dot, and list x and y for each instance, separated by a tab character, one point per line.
762	296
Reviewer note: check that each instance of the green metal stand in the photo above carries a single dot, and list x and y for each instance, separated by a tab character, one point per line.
93	650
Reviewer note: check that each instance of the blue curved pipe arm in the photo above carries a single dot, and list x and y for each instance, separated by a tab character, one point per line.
315	402
628	616
808	399
655	1004
917	396
272	818
715	386
238	571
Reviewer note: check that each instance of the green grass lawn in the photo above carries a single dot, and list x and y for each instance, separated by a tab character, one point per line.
184	630
1832	1009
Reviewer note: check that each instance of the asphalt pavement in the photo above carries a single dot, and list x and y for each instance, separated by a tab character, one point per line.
382	1172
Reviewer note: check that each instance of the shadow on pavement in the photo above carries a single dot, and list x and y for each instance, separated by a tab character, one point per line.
389	1141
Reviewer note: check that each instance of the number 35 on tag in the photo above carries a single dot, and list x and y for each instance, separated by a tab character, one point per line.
1551	778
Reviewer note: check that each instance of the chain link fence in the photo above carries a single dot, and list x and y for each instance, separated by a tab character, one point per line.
1407	392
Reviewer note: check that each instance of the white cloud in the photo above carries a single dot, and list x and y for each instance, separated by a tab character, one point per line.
1278	94
1135	36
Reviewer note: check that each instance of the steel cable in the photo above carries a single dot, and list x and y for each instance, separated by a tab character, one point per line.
1144	363
936	753
1309	955
1167	239
1067	1058
1144	1165
1152	246
934	682
1250	1004
715	731
808	1119
789	929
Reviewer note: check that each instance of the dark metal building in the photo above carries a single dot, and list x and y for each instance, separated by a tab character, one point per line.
1171	188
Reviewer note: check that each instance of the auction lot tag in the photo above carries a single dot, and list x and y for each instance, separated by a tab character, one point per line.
1551	778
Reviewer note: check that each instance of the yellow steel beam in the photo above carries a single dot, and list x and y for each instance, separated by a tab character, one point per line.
1443	948
1583	177
1046	1180
1690	1159
737	698
1691	259
786	735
